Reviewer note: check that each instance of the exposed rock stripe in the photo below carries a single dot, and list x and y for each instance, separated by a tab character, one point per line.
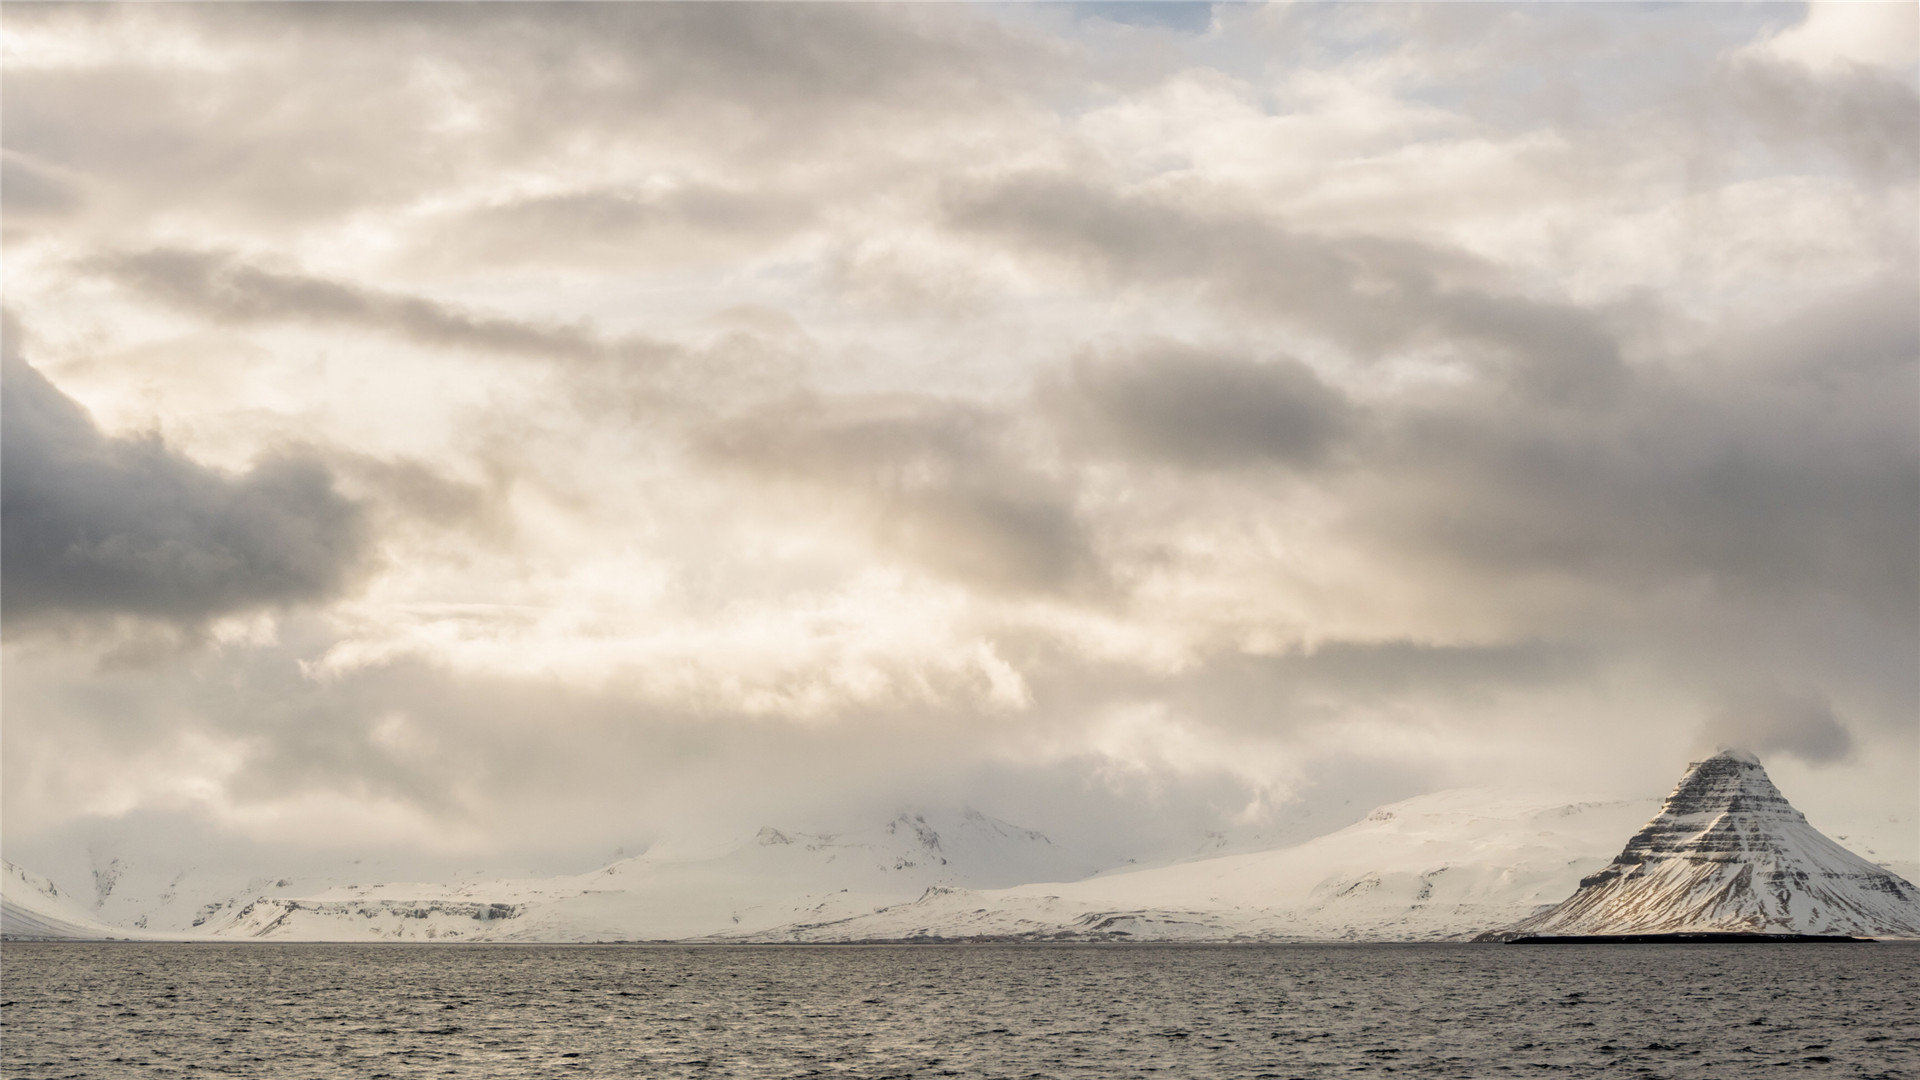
1728	853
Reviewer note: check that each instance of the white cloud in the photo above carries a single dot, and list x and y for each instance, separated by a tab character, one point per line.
1836	33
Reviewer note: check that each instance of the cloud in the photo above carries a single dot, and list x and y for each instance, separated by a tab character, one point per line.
1370	294
29	190
1866	117
100	526
942	398
1776	722
1790	471
1191	407
380	107
229	289
1846	36
939	482
614	226
1187	16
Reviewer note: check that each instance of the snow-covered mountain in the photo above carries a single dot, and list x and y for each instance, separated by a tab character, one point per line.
146	894
1727	853
32	908
141	892
1444	865
776	878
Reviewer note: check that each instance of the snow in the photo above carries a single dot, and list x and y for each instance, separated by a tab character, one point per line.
1727	852
774	878
34	908
1440	866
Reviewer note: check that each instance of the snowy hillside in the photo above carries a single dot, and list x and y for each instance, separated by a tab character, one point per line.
775	878
1452	864
1445	865
34	908
1728	853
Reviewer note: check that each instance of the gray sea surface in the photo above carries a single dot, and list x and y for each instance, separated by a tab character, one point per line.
481	1011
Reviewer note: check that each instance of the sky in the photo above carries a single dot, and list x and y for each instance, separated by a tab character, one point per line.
512	434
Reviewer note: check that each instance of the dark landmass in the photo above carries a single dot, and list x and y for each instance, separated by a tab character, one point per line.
1716	938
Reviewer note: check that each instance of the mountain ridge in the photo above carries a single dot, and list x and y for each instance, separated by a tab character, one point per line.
1442	866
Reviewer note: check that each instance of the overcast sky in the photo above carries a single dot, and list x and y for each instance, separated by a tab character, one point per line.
512	433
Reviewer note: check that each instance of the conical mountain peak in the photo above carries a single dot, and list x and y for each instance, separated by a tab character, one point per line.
1728	853
1723	805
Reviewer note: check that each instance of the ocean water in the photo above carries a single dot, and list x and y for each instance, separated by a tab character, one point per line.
476	1011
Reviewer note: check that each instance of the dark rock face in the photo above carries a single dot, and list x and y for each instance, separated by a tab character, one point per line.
1728	854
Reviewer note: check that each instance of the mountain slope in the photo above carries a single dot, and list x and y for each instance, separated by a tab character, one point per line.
776	878
32	908
1445	865
1441	866
1727	853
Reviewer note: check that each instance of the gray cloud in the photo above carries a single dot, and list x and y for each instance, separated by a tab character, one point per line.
99	526
226	288
938	481
323	112
1188	16
1868	119
1368	293
1776	722
604	374
1279	696
1794	476
1192	407
29	190
615	226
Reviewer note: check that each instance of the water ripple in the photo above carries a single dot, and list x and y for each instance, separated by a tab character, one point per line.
476	1011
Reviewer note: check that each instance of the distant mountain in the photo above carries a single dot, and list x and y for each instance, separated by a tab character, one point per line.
1440	866
1727	853
776	878
32	908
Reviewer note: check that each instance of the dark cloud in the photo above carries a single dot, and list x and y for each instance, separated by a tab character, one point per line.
1368	293
1777	722
938	481
228	289
98	526
407	493
1781	475
1196	408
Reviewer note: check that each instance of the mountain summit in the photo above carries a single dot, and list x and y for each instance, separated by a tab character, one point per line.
1728	854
